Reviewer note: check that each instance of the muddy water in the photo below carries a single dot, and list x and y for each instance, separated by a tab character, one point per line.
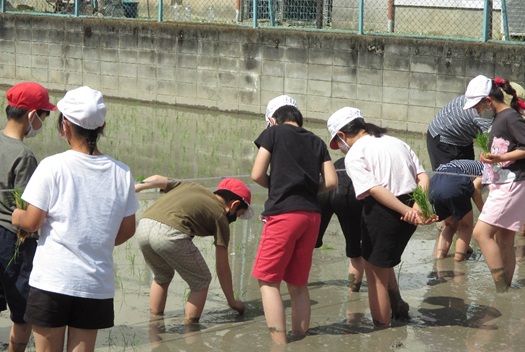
453	306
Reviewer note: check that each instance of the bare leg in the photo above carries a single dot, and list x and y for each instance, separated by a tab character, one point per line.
19	337
355	274
274	310
399	307
505	240
444	241
464	235
195	306
484	234
158	294
379	300
301	309
81	340
49	339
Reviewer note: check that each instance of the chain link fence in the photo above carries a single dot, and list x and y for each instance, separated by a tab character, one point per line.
505	19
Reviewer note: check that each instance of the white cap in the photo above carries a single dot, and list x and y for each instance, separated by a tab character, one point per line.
341	118
477	89
276	103
84	107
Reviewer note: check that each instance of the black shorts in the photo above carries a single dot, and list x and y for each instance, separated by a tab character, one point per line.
442	153
384	235
14	273
53	310
450	195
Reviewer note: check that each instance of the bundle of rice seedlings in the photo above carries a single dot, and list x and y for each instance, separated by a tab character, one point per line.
482	140
21	234
420	196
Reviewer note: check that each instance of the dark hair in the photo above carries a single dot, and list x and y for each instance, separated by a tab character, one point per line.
288	113
89	136
500	85
14	113
353	127
229	196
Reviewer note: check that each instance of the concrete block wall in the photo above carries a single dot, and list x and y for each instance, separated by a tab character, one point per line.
398	83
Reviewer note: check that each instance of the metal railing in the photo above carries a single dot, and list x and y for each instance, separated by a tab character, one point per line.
480	20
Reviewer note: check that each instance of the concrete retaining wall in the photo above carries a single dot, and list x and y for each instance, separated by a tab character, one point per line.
398	82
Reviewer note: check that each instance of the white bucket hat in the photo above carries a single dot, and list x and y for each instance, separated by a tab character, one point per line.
341	118
276	103
84	107
477	89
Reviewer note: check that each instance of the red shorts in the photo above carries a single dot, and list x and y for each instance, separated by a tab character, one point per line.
286	247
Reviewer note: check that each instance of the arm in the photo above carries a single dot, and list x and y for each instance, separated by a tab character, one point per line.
490	158
388	199
330	179
126	230
155	181
260	167
476	196
29	220
225	278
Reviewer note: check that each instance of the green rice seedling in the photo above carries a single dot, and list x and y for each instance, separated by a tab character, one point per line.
420	196
21	234
482	140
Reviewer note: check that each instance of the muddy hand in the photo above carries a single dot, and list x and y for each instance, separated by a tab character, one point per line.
238	306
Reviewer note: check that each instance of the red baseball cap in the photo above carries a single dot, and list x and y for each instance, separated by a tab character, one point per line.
239	188
29	96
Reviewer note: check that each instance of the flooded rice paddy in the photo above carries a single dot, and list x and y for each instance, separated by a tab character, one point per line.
453	306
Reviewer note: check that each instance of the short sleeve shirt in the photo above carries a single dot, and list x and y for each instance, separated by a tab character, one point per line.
382	161
507	134
192	209
297	156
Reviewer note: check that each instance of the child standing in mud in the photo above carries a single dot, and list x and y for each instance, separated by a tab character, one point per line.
502	214
27	108
292	215
385	172
165	237
84	203
450	194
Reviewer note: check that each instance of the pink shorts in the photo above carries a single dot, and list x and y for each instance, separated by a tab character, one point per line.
504	206
286	247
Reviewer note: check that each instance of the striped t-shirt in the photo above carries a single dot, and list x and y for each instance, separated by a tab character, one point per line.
457	126
472	168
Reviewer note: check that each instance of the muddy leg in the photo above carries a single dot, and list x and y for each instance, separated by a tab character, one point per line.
498	275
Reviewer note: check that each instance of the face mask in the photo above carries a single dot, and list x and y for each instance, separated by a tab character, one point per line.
343	146
488	114
231	217
31	131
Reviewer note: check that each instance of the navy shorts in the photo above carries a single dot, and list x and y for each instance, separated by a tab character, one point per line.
14	273
53	310
384	235
450	195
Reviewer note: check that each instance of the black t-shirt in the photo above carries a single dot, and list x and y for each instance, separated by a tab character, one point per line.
507	134
296	160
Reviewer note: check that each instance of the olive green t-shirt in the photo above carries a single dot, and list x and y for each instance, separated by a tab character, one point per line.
192	209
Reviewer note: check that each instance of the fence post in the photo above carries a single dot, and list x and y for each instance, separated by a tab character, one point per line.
77	6
361	16
161	10
487	21
254	13
270	11
504	19
2	6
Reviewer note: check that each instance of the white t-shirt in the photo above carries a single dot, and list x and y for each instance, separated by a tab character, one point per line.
384	161
85	197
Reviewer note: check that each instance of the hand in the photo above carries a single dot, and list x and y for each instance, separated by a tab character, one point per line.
413	216
490	158
238	306
15	218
